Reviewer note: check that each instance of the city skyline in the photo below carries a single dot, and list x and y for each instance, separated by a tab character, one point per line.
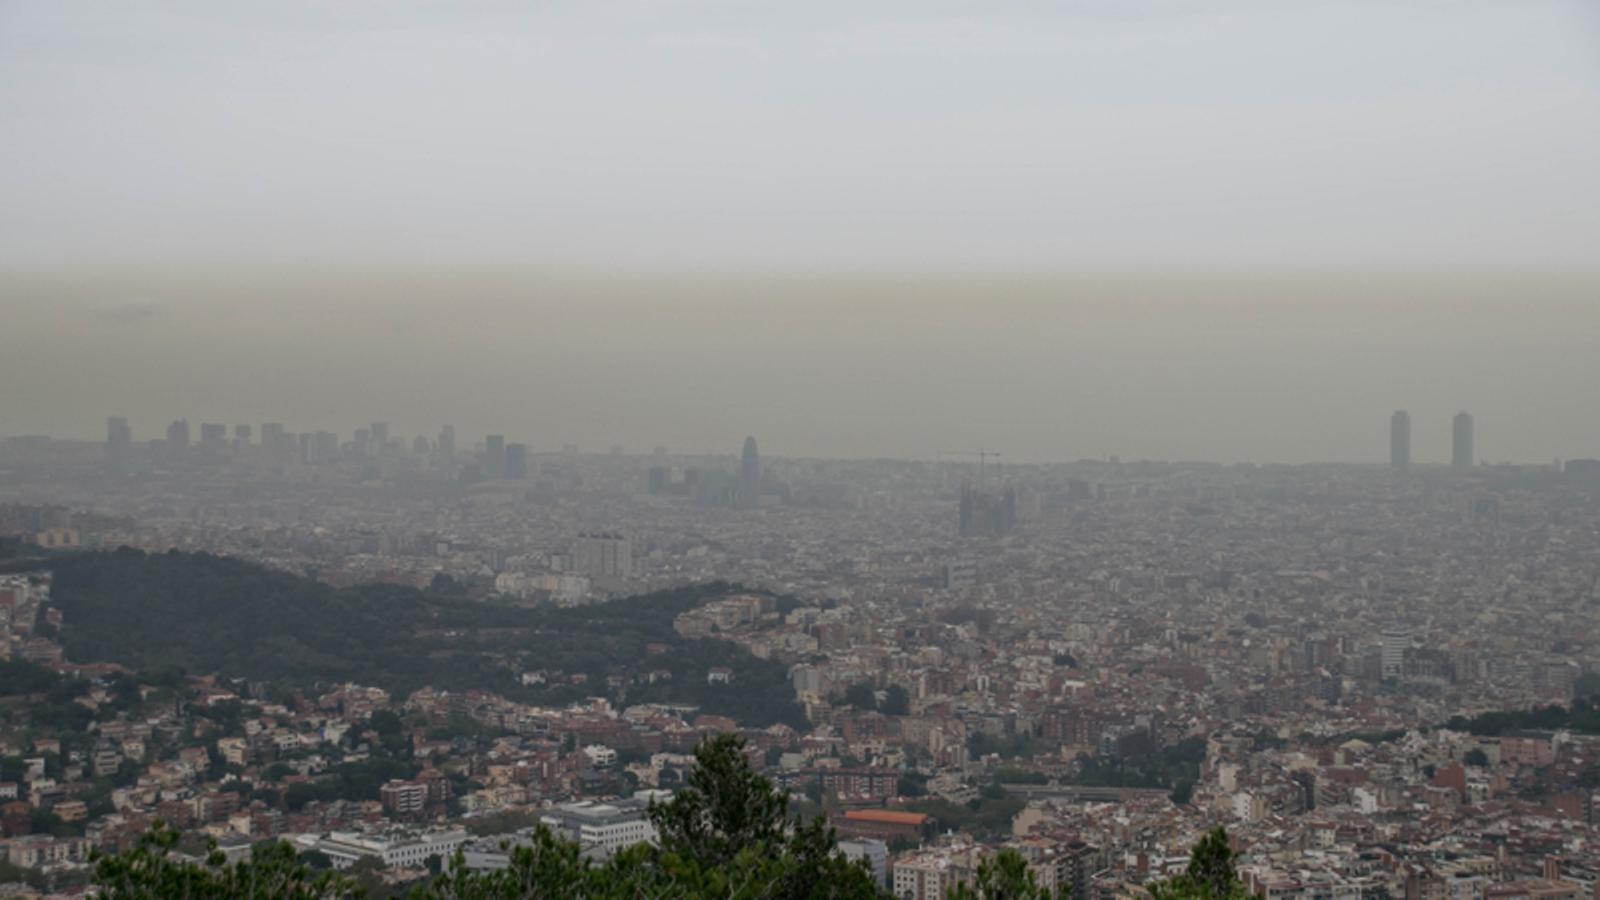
121	435
1236	368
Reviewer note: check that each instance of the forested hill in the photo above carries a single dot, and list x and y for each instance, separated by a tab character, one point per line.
206	613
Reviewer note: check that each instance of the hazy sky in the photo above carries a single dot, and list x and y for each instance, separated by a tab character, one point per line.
1228	229
805	134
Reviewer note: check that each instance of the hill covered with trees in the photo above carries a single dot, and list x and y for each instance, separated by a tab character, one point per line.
203	614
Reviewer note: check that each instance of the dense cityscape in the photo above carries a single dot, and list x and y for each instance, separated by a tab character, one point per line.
1377	678
723	450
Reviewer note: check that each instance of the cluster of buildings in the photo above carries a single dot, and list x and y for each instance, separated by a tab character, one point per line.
1460	440
1093	662
28	625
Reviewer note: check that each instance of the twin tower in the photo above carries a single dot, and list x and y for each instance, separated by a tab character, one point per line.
1400	440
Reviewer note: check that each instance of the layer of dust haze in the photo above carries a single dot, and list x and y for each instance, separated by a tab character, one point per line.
1286	369
1232	230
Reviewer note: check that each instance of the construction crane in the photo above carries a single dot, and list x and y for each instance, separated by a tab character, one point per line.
982	455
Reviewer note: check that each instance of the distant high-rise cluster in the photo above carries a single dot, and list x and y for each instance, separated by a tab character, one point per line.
1461	451
372	445
279	446
746	488
987	514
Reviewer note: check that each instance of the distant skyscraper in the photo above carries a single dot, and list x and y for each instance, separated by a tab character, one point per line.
380	436
241	438
1400	439
494	456
276	442
324	449
119	437
1461	441
213	437
447	442
178	437
750	476
516	461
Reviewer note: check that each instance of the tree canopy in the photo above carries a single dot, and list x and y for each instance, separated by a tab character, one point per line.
728	834
1210	876
206	614
1004	876
274	871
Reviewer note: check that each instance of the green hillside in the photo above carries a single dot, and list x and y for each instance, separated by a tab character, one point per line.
206	613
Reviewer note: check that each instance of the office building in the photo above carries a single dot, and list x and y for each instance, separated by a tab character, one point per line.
1461	441
602	829
750	476
213	438
178	437
516	461
494	456
380	436
119	438
275	444
323	449
1400	439
447	442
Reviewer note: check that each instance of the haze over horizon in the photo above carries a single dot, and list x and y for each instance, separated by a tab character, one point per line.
1229	231
1242	369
